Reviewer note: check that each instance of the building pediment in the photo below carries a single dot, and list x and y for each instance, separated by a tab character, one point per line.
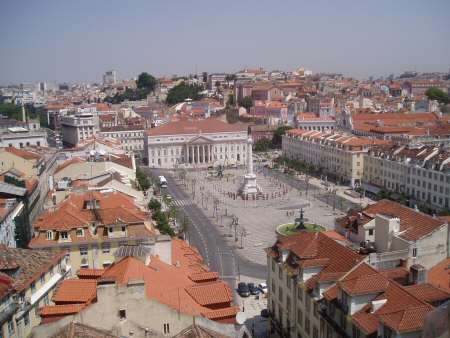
200	140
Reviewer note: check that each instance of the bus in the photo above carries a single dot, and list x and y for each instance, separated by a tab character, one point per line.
162	182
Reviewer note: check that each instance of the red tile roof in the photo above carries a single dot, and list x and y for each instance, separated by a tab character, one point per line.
211	125
75	291
211	293
317	249
413	224
25	154
174	284
61	310
26	265
439	275
428	293
90	273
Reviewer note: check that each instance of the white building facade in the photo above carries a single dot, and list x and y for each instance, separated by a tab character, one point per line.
193	144
79	127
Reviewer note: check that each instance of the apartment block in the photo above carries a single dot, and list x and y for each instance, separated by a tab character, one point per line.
337	155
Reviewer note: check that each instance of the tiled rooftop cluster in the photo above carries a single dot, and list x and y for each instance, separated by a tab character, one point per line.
92	212
186	285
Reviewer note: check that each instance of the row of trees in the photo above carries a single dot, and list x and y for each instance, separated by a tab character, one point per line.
161	218
13	111
142	180
145	84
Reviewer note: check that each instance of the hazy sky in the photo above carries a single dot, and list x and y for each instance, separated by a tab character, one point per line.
62	40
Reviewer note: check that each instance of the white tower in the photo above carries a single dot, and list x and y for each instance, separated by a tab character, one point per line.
250	186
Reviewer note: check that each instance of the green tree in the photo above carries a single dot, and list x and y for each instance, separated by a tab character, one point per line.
146	81
142	179
154	205
262	144
437	94
182	91
230	77
246	102
232	115
11	110
277	136
231	102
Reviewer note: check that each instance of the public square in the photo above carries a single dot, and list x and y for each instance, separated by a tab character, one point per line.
249	225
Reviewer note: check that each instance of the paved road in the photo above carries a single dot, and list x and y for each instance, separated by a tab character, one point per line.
204	235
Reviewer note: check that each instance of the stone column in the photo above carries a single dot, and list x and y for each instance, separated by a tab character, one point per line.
249	156
198	154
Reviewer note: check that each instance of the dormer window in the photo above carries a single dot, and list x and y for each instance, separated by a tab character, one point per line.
64	235
80	232
49	234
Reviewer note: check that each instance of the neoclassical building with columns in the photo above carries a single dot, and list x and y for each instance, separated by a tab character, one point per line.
195	144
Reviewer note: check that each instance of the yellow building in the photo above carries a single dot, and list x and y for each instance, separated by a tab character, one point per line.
28	279
336	155
29	163
91	226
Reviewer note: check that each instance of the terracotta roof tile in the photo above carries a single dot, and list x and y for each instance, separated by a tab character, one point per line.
75	291
439	275
210	294
195	127
25	154
27	265
61	310
428	293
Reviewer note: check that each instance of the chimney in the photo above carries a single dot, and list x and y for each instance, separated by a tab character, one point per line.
417	274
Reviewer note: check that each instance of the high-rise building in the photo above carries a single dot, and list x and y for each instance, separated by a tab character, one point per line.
110	77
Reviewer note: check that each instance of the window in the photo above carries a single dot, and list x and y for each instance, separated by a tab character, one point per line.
42	279
11	327
106	247
414	252
356	333
300	294
288	283
110	229
307	303
122	314
26	318
49	234
280	294
370	232
123	228
80	233
307	325
83	251
46	300
33	287
280	272
273	265
64	235
315	332
316	310
166	328
300	317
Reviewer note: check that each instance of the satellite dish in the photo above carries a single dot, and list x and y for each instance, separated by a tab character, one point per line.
241	317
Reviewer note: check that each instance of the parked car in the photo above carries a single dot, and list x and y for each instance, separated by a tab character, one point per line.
243	290
253	289
263	287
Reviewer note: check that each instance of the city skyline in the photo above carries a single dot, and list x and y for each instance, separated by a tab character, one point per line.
78	42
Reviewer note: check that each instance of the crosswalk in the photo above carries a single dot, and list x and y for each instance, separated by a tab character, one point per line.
181	203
